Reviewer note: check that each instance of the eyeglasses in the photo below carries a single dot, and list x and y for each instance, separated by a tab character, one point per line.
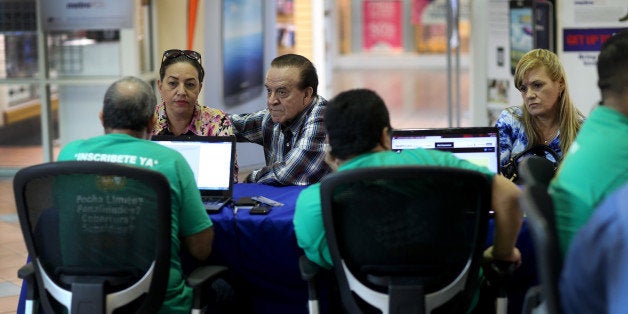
174	53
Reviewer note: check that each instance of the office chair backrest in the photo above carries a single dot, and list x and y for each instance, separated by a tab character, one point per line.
538	206
408	237
98	235
536	170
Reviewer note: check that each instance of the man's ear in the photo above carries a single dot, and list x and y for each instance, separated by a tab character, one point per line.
101	118
308	94
332	161
385	139
150	126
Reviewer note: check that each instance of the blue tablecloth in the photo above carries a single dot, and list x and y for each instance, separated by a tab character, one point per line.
261	250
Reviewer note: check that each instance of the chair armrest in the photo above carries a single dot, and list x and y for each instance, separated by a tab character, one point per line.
27	273
308	268
204	274
533	301
498	272
200	281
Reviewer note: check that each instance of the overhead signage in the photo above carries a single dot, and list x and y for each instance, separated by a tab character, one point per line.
69	15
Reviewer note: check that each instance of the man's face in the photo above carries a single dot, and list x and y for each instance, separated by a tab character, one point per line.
284	98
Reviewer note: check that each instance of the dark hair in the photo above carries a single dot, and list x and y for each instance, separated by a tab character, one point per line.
308	75
354	120
182	58
612	64
129	104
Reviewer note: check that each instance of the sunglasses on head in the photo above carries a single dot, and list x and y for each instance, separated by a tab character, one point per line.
174	53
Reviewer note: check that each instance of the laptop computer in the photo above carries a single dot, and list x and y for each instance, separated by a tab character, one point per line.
479	145
212	160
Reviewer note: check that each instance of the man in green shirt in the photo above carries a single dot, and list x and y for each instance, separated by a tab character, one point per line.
127	119
358	129
597	162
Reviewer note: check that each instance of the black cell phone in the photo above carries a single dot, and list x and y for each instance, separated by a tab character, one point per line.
260	209
245	202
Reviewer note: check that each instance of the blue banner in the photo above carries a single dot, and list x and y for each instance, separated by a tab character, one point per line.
586	39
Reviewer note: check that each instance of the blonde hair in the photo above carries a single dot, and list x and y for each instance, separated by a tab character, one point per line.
569	117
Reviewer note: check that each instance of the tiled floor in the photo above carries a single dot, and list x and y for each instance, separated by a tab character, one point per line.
12	249
415	97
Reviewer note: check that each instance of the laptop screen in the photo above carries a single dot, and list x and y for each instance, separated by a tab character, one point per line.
210	157
479	145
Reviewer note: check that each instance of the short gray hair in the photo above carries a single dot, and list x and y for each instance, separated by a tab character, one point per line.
129	104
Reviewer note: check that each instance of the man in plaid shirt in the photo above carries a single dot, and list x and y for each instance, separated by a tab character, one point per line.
291	129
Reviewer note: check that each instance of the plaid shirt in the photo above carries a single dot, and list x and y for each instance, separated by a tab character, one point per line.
295	154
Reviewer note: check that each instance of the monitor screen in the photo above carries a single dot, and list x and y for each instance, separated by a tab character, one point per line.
479	145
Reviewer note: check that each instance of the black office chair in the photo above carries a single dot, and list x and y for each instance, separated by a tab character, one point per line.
406	239
537	204
536	170
98	238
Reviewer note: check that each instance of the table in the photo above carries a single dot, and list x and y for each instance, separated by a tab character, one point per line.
261	250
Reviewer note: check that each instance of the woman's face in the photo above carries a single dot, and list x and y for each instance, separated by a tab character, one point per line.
540	94
180	88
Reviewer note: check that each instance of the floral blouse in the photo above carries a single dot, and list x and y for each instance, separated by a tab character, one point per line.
512	135
205	121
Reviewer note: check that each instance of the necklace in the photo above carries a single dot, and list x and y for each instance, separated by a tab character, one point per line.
551	137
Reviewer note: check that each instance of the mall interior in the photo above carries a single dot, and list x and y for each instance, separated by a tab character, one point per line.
421	57
410	75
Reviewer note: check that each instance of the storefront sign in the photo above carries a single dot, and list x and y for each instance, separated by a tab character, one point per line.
382	29
588	39
68	15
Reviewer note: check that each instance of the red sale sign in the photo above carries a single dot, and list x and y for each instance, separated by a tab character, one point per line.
382	29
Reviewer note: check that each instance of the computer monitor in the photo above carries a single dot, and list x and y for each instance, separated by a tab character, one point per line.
479	145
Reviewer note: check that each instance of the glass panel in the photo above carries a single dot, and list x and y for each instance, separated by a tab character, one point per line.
71	54
429	23
421	26
20	54
20	109
84	53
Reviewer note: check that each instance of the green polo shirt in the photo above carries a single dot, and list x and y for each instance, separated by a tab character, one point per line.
596	165
188	213
308	218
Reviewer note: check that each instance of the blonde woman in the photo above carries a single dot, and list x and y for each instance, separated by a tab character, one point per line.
547	115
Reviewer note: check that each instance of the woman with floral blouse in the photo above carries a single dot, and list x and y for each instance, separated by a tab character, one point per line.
180	81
